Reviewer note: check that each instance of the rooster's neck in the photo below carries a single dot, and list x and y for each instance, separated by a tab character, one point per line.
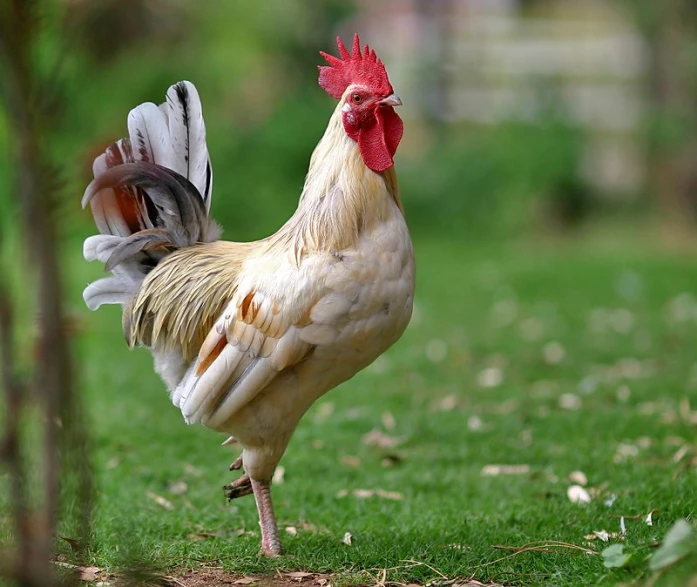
342	197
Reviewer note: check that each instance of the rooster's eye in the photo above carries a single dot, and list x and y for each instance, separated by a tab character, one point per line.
356	98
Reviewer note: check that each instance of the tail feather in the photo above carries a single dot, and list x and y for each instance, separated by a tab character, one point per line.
119	211
188	132
150	195
100	248
179	207
108	290
152	241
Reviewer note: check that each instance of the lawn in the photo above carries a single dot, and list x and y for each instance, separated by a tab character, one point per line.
526	369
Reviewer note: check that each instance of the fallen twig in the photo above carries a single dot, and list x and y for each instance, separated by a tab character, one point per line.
547	546
414	563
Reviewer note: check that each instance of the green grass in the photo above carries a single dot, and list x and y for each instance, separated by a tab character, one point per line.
622	362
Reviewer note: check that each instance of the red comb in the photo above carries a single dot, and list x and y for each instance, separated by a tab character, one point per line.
357	67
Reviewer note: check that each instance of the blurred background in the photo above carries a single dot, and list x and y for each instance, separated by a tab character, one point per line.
523	117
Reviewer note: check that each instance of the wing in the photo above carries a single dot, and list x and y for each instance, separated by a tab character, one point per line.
254	340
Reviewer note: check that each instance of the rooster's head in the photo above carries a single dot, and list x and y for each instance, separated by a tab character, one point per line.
359	80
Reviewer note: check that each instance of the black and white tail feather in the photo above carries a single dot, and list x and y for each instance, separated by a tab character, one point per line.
151	194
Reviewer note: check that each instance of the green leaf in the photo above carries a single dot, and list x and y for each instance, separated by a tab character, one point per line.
614	556
677	544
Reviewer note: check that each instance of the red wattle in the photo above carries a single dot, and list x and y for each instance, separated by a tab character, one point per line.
378	138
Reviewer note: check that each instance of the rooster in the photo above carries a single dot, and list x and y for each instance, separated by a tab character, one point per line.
246	336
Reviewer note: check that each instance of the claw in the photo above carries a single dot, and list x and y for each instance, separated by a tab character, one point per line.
238	488
237	464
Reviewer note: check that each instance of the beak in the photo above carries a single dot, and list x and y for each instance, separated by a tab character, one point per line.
391	100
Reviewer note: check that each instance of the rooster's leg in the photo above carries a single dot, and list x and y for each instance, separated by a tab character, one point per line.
238	488
270	540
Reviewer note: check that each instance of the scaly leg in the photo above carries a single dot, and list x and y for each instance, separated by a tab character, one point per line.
270	540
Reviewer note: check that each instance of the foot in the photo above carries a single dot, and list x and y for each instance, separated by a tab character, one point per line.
271	552
238	488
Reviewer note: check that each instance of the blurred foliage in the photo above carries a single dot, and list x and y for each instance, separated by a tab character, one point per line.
255	68
497	182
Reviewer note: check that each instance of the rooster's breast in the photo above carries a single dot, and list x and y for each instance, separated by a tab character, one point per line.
372	285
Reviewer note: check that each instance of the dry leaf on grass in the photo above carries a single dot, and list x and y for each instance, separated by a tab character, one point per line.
178	487
680	454
578	494
366	493
351	461
159	500
246	581
202	535
392	459
686	412
378	438
445	404
475	423
625	451
644	442
570	401
578	477
299	575
554	352
347	539
490	377
292	530
395	495
91	574
87	574
308	527
495	470
599	534
623	392
604	535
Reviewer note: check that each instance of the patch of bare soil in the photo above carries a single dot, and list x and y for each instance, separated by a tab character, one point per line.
220	578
